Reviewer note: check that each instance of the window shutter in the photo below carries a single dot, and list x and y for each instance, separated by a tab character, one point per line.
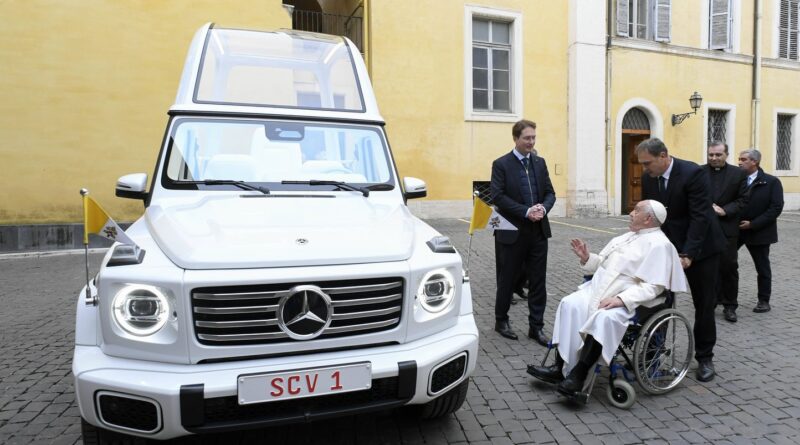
783	30
788	29
623	17
719	24
794	29
662	20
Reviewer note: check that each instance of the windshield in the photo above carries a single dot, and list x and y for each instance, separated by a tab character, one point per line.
278	69
273	151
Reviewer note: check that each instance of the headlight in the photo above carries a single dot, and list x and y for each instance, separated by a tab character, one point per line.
436	290
140	310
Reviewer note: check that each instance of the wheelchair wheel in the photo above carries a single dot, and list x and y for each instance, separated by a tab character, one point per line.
663	351
622	395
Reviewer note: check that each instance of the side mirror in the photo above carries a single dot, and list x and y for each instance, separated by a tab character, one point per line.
132	186
414	188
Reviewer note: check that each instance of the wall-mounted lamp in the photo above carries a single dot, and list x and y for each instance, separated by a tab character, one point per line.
695	102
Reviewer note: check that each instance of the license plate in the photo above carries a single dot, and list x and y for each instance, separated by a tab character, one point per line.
258	388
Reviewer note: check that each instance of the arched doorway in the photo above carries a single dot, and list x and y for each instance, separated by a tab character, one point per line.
635	129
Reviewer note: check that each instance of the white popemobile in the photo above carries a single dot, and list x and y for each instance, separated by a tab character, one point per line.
281	276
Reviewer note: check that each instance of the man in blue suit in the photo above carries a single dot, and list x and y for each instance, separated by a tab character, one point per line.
758	227
523	194
693	228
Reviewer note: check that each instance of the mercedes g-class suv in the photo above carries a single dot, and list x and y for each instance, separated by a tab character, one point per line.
278	275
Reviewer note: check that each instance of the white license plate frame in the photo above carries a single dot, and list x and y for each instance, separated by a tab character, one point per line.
309	382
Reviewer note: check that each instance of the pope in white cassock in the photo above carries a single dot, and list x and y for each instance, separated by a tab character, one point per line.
632	270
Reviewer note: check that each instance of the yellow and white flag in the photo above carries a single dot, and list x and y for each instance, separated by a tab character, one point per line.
497	222
480	215
96	221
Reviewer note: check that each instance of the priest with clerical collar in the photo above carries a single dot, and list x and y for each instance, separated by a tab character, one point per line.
632	270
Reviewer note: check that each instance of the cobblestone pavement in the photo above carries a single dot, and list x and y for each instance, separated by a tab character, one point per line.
754	399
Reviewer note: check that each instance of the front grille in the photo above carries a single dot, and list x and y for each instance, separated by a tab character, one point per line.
227	409
242	315
448	374
129	413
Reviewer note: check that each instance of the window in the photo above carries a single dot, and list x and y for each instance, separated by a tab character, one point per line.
720	24
644	19
788	29
492	69
783	145
717	125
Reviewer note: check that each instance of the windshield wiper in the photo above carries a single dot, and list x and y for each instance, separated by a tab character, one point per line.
241	184
342	185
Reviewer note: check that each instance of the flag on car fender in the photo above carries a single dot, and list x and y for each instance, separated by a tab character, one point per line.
96	221
480	215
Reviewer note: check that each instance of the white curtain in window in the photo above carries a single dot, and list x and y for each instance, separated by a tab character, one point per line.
719	24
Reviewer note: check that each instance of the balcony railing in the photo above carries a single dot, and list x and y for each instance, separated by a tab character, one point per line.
340	25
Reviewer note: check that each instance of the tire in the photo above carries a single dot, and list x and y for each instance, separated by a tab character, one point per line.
622	395
93	435
446	403
663	351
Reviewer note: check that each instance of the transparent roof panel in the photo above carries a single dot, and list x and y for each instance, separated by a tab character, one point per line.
277	69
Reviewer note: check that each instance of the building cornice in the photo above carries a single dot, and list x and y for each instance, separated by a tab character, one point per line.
699	53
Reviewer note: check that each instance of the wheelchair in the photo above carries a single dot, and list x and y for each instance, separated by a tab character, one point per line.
656	351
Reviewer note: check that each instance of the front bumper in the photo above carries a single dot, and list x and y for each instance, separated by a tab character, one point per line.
202	397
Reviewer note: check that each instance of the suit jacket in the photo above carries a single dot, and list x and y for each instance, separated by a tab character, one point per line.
506	196
766	204
691	225
732	196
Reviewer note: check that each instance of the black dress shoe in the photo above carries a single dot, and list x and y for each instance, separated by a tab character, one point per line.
520	292
705	371
538	336
504	328
570	387
729	314
549	374
762	306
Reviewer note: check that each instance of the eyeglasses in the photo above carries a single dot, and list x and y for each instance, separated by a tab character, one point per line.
745	159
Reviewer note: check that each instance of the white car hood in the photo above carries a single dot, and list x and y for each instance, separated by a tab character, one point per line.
231	232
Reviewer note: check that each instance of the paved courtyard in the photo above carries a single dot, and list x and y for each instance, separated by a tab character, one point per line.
754	399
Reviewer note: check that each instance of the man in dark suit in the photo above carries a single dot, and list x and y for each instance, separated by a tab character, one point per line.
759	227
693	228
728	197
523	194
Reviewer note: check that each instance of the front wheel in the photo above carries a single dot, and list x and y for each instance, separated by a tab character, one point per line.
445	404
621	394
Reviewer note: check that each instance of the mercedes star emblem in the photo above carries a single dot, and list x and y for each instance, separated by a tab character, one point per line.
301	241
305	312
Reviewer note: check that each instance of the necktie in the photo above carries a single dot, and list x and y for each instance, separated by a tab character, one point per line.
525	163
662	184
749	180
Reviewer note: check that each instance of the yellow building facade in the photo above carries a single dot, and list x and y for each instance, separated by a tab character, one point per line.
86	86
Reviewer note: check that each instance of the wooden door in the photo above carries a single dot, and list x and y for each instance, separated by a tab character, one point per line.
631	169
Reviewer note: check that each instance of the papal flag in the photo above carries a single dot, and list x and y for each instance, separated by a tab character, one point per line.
96	221
497	222
480	215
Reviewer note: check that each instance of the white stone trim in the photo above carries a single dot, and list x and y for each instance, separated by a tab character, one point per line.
515	18
795	167
656	131
730	130
785	64
685	51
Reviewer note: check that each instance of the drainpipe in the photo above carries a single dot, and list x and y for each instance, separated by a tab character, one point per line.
609	135
756	105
